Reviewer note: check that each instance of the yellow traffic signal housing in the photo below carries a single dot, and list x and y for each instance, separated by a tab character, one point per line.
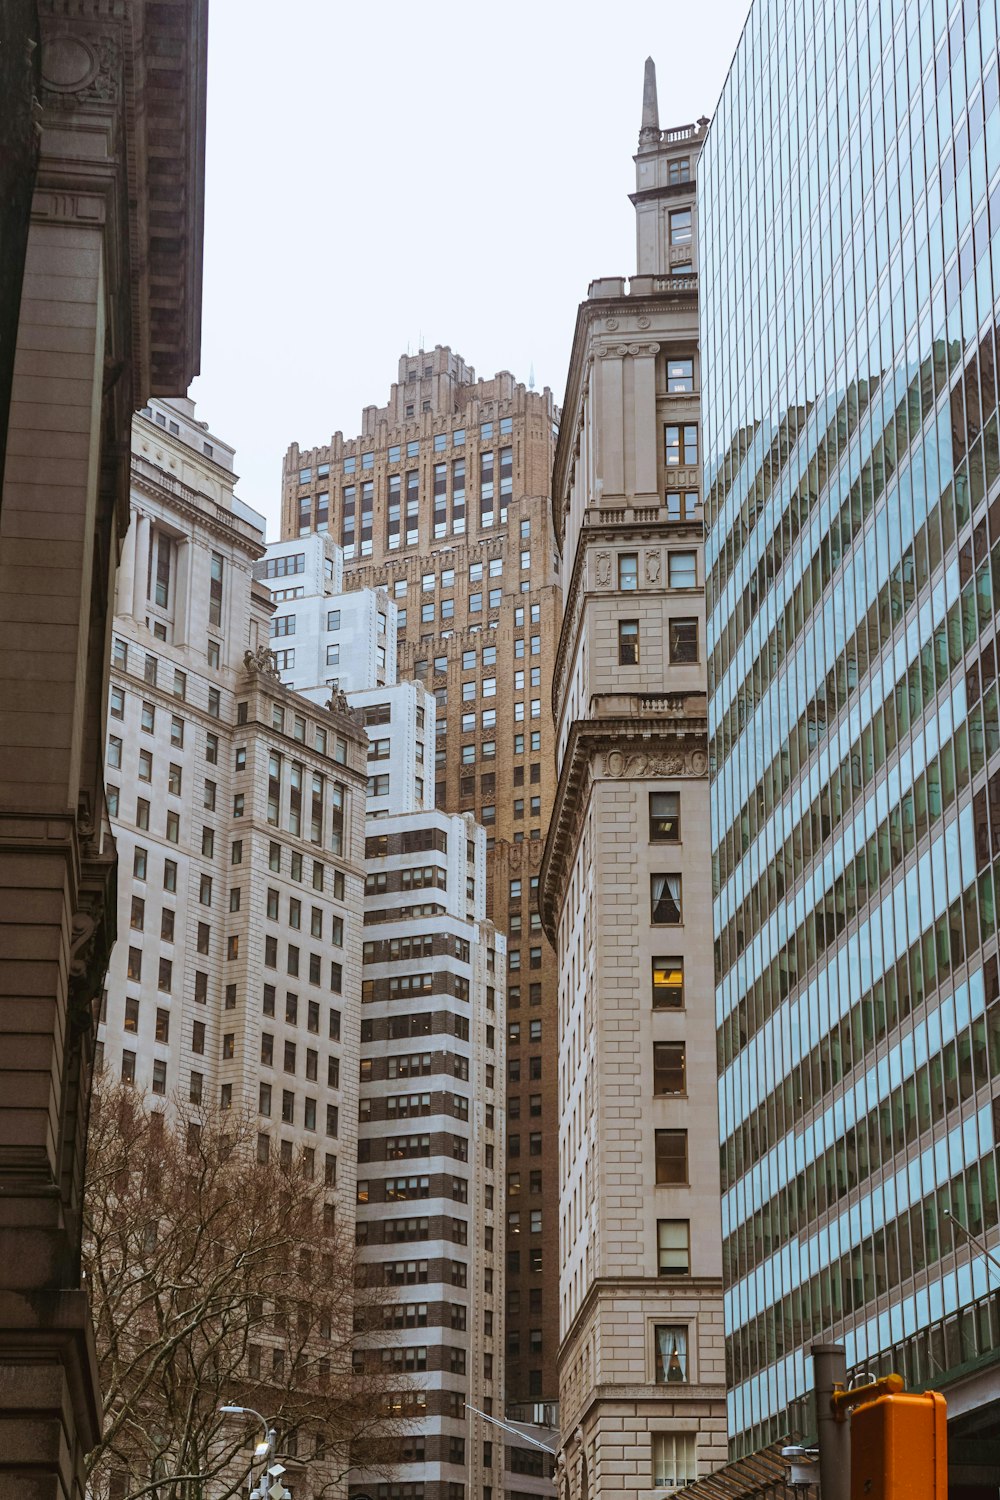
899	1447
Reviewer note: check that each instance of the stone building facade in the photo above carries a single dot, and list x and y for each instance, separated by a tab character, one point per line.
238	810
626	882
104	295
442	502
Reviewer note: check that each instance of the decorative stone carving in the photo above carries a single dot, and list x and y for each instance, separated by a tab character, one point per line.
262	660
653	564
75	68
635	764
643	322
602	571
619	351
611	323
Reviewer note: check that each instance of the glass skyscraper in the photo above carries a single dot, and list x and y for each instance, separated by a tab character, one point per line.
849	209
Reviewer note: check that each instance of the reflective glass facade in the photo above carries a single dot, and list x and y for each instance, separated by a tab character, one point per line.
849	204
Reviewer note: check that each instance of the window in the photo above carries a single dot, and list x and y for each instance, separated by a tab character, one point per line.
664	817
628	570
673	1253
680	226
671	1354
671	1157
668	984
665	900
117	703
682	506
683	636
628	643
669	1068
682	570
215	590
680	375
680	445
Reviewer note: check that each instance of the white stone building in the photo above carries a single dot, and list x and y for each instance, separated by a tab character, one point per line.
323	638
238	811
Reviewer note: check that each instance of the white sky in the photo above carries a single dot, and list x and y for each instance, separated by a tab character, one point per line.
385	175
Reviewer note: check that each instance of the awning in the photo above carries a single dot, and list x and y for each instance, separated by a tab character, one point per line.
759	1476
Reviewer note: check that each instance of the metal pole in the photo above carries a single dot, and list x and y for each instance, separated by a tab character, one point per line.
830	1369
991	1260
508	1428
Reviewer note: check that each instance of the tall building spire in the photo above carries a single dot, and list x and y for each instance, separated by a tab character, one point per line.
650	129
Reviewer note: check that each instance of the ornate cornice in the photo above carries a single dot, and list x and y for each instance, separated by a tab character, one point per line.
148	479
138	73
666	736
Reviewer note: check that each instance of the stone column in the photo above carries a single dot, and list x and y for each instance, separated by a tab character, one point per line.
182	592
141	577
56	871
644	423
126	570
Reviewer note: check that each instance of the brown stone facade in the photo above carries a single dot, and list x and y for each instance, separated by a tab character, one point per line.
457	526
109	311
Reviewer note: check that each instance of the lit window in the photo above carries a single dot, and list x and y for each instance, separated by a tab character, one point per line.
668	983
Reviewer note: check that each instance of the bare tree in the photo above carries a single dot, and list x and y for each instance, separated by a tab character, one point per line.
217	1279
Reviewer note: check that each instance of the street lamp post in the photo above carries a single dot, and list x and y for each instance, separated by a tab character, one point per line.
264	1450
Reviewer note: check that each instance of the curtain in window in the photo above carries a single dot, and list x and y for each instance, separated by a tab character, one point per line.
665	891
671	1355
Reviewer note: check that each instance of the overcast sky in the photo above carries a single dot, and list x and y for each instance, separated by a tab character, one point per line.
395	175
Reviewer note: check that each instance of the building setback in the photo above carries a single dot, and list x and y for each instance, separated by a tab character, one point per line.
442	502
848	198
626	878
238	809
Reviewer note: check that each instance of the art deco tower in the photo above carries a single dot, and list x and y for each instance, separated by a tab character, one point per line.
443	501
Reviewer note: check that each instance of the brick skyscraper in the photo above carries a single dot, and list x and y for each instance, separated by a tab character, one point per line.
443	499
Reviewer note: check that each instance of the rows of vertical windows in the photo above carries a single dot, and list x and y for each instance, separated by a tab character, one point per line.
850	260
